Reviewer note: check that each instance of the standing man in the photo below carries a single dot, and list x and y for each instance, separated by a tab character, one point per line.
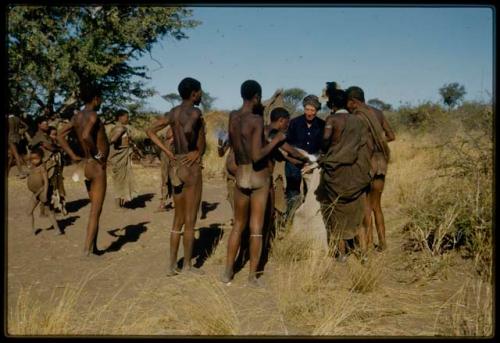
253	178
94	143
345	176
16	126
380	133
305	132
188	130
53	164
121	160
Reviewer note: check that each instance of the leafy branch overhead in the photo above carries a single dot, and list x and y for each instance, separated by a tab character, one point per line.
52	50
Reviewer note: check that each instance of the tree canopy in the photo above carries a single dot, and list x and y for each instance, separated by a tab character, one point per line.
452	94
293	97
53	50
377	103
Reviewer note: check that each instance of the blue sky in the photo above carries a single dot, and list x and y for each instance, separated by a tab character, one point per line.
398	55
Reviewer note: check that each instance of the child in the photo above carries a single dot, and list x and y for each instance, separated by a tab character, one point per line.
38	183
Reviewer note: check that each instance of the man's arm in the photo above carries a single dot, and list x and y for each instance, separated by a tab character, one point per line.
61	139
152	134
259	151
294	153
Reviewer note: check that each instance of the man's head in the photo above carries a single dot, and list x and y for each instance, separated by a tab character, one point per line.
311	106
122	116
36	156
337	100
91	94
280	118
251	91
52	133
355	97
42	124
190	89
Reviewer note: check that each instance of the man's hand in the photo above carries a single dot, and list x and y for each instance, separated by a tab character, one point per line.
169	154
190	158
280	136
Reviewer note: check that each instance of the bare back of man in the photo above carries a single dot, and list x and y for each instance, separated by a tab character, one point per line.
94	143
188	132
253	177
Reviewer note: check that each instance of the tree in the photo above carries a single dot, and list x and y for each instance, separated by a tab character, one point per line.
52	51
293	97
172	98
207	101
377	103
452	94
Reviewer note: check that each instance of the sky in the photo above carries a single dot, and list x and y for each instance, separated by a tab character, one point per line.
399	55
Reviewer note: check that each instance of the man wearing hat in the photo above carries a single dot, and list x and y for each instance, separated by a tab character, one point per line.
305	132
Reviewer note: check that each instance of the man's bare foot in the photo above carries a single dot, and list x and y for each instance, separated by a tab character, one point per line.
226	277
193	271
381	247
342	258
161	208
255	283
89	256
173	271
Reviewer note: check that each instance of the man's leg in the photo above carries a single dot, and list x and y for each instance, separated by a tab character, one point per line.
268	231
192	201
258	201
375	203
363	230
241	205
33	203
97	177
175	232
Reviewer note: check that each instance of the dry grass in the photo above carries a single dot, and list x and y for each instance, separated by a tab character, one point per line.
442	192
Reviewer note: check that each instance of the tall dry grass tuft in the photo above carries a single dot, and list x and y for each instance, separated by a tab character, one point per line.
210	312
213	165
30	316
366	277
468	312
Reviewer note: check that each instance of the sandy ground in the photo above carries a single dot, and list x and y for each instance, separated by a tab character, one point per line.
135	245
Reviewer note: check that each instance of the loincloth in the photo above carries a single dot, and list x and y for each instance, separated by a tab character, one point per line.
181	174
247	178
378	164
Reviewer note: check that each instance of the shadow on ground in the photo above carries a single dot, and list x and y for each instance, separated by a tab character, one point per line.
139	202
207	207
76	205
128	234
206	243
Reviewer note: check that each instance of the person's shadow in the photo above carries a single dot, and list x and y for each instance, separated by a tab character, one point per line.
205	245
63	223
75	205
207	207
139	202
128	234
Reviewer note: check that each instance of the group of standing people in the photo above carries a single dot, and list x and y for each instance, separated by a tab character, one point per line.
350	147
